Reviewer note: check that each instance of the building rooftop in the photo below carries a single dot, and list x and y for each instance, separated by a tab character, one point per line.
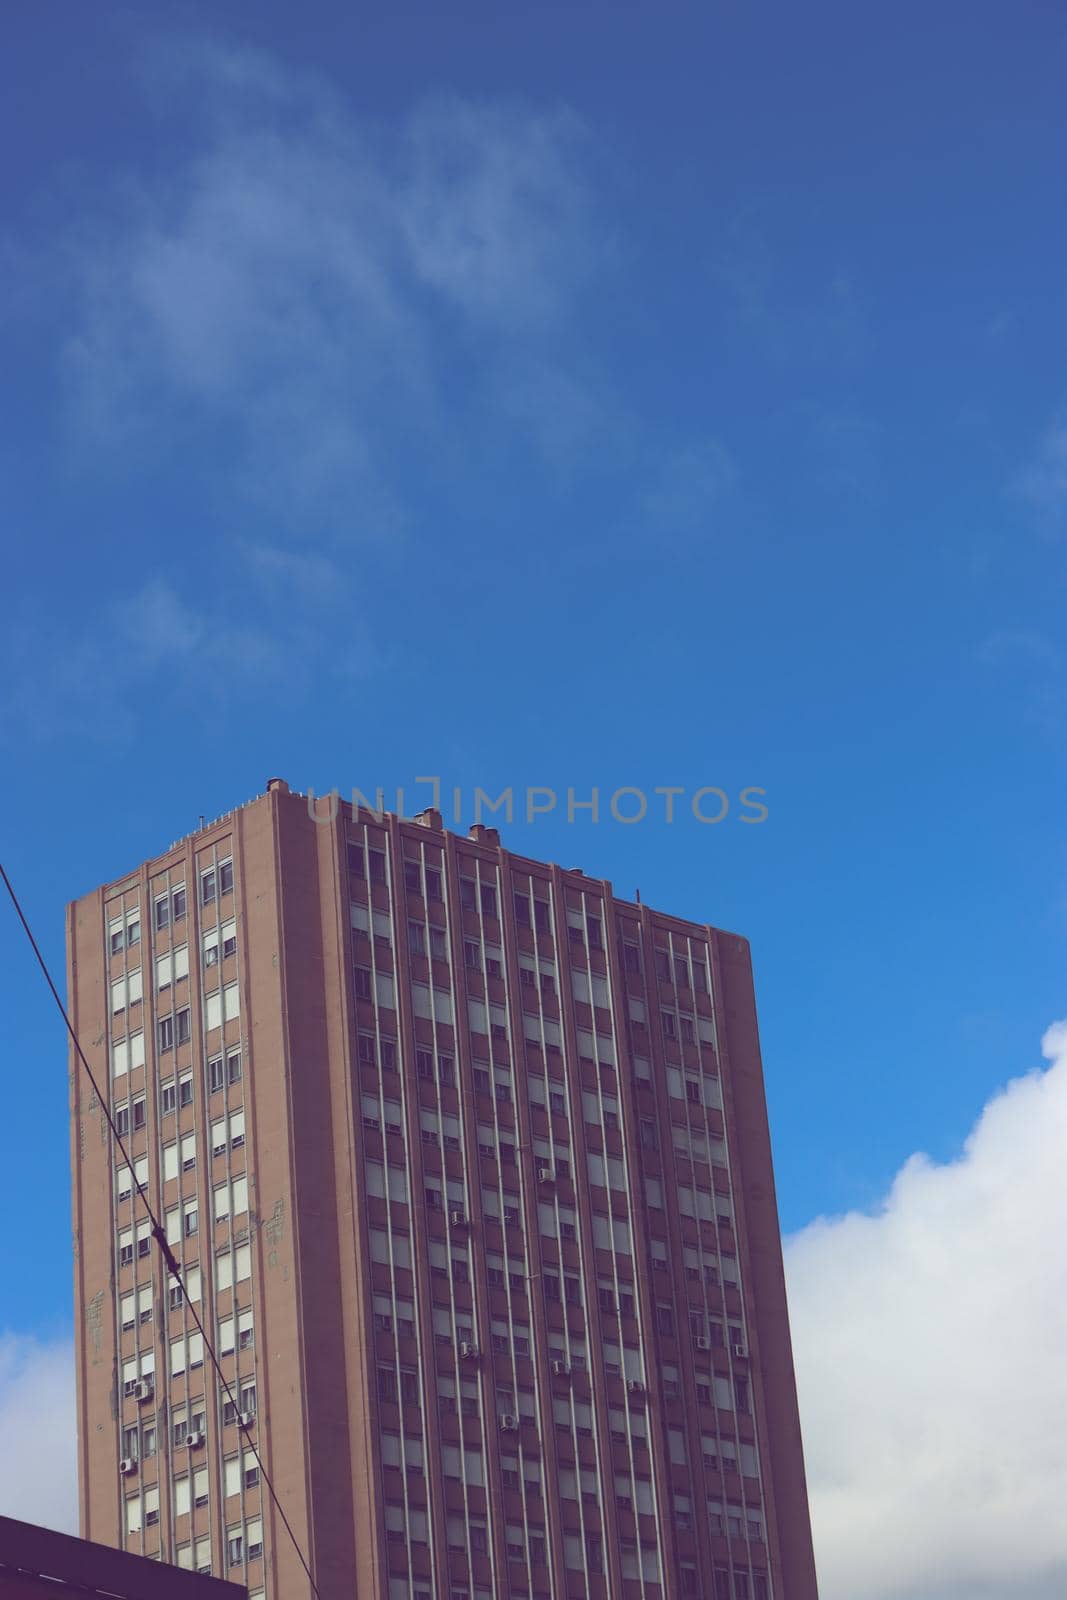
31	1556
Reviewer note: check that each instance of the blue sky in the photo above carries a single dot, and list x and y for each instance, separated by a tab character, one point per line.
572	395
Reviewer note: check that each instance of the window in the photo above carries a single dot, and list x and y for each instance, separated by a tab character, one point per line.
163	913
166	1033
363	986
185	1089
246	1402
172	967
223	1005
188	1351
178	904
225	877
125	1180
208	887
231	1199
221	939
233	1067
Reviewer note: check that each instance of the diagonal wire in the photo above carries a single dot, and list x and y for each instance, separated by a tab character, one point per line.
158	1233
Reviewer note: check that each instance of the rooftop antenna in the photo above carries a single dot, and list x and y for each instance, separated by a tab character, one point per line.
637	896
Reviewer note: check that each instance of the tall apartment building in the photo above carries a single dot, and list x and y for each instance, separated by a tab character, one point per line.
467	1164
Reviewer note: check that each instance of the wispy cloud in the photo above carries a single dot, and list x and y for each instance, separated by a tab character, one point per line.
929	1342
819	320
330	318
38	1474
1042	484
305	285
1031	664
685	498
295	624
1010	646
845	453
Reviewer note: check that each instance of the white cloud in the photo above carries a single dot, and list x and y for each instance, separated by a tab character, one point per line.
1043	483
38	1470
493	208
1010	646
845	452
294	288
929	1342
687	494
820	319
1029	664
61	682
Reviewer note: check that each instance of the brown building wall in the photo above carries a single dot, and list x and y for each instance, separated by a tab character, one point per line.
311	916
786	1486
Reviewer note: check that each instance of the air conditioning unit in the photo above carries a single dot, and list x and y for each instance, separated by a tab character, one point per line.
561	1368
195	1439
546	1174
247	1418
457	1216
635	1386
740	1351
509	1422
143	1389
468	1351
702	1342
127	1465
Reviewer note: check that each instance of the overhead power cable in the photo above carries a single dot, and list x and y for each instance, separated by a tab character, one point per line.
158	1233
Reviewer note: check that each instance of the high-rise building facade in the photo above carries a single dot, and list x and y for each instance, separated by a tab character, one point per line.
467	1165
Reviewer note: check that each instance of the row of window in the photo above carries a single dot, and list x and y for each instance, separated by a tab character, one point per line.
178	1092
244	1544
530	912
187	1355
136	1306
591	989
221	1007
173	967
124	932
